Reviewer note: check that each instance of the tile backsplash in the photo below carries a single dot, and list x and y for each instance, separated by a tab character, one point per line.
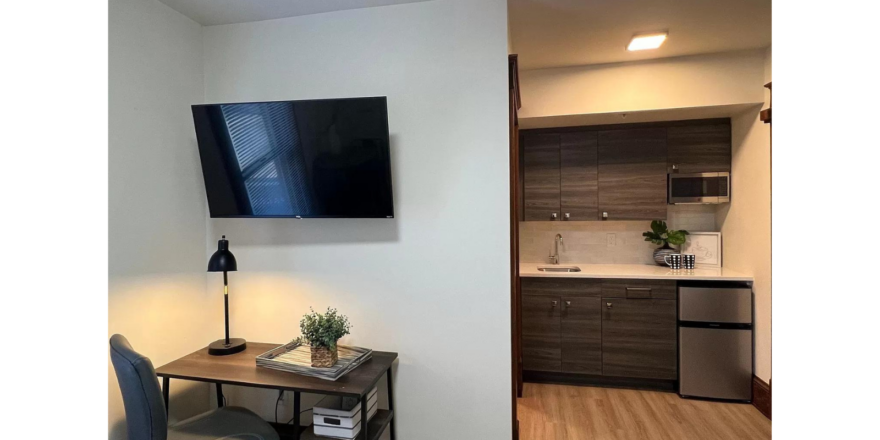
606	242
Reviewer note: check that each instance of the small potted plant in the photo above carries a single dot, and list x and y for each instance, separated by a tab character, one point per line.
661	235
321	333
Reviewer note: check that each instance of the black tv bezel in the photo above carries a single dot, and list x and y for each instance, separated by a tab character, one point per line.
387	158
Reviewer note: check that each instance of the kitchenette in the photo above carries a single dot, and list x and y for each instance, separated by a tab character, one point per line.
621	275
638	326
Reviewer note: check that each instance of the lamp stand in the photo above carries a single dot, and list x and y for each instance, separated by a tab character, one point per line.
226	346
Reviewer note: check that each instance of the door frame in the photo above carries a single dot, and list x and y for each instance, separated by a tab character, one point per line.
515	103
767	118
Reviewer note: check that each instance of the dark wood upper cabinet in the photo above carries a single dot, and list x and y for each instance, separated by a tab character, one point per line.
699	148
580	173
579	176
632	173
581	335
541	174
639	338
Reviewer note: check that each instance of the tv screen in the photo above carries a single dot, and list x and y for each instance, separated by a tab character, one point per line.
319	158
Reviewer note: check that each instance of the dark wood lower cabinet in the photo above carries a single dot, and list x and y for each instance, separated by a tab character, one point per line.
541	345
562	325
581	335
622	330
639	338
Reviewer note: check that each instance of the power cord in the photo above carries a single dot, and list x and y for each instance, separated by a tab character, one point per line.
296	417
277	401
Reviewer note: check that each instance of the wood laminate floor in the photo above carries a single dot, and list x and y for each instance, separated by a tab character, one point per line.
563	412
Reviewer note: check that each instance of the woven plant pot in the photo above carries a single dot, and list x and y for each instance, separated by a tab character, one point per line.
323	357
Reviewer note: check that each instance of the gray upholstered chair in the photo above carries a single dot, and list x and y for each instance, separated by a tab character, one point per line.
145	407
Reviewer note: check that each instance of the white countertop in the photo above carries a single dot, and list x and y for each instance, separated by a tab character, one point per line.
634	271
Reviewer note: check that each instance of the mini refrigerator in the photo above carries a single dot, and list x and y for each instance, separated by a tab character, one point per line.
715	343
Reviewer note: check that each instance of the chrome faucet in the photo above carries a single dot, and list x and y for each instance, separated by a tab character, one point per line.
554	258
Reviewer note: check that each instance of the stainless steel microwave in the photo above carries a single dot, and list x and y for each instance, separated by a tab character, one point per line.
699	188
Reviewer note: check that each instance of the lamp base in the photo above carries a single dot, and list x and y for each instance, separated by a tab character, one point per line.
221	348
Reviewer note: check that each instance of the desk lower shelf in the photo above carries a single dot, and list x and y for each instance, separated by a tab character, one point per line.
376	427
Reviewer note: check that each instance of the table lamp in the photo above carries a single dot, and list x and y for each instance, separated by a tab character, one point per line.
224	261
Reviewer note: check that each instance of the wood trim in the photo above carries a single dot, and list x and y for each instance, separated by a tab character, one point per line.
521	210
765	114
761	396
513	71
514	181
767	117
660	124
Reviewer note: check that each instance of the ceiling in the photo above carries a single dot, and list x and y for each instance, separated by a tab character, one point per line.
213	12
556	33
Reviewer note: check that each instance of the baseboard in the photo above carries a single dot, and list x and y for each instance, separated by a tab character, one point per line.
761	396
601	381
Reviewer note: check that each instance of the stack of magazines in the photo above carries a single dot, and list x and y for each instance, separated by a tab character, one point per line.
295	357
340	417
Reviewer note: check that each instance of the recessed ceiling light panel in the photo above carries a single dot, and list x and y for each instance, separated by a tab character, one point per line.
647	41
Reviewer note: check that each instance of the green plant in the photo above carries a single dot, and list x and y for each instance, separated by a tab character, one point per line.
324	330
661	235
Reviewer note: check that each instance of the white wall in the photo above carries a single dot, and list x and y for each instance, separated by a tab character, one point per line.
745	222
431	284
693	81
157	209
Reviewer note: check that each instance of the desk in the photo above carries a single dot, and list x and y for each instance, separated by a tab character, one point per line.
241	369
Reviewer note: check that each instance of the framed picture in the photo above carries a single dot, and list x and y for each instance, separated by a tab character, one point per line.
706	246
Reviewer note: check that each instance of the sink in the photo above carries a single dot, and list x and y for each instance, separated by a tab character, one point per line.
559	268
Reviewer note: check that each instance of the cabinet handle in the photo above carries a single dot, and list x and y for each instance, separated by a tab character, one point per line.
608	305
553	304
567	304
638	292
605	215
566	216
553	216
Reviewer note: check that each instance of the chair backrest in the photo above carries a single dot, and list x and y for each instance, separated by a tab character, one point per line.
144	405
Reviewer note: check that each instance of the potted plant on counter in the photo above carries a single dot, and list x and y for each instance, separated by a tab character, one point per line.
661	235
322	332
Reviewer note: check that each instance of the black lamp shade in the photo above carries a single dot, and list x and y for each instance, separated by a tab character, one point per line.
222	260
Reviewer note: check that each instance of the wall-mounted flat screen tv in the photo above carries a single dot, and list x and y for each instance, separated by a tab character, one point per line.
304	159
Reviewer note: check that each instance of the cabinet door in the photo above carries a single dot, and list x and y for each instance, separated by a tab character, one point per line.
541	346
541	176
582	335
579	179
699	149
632	173
639	338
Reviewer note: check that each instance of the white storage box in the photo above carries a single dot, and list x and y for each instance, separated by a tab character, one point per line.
340	417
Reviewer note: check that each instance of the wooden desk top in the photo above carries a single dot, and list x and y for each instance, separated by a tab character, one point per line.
241	369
